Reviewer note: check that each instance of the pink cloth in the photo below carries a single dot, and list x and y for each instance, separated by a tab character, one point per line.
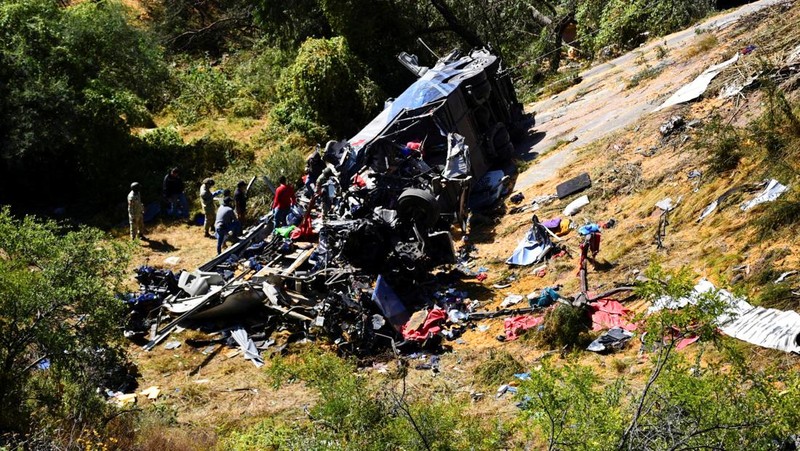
686	342
517	324
608	313
431	326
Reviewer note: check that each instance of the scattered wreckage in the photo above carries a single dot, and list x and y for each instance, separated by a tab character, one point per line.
372	223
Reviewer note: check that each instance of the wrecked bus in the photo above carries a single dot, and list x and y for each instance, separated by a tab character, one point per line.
361	263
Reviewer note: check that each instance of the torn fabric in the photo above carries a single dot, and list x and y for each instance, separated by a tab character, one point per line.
608	314
430	326
515	325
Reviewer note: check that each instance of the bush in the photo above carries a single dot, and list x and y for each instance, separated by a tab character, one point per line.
722	143
57	302
326	86
74	81
353	414
564	325
500	368
205	91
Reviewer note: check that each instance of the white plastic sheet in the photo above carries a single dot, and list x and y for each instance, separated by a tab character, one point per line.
765	327
698	86
770	193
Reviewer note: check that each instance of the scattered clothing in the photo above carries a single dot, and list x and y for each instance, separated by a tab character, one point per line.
546	298
424	324
608	313
515	325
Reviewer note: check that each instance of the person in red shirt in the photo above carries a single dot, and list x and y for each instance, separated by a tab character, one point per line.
282	204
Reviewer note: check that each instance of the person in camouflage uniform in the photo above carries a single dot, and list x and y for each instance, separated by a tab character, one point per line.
136	212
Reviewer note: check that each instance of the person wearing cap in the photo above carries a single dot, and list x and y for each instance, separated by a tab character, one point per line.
207	202
172	189
136	212
240	201
226	223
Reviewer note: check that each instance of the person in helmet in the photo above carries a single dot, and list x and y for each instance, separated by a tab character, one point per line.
207	202
136	212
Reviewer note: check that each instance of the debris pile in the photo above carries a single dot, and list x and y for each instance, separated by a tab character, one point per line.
354	262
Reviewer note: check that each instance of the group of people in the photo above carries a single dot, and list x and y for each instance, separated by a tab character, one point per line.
225	221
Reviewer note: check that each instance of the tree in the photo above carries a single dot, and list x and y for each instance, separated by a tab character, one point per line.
74	81
57	305
328	86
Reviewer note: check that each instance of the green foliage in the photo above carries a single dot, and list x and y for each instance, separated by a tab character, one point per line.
564	325
571	408
723	144
206	27
72	83
644	75
682	405
498	369
624	23
352	413
205	91
57	301
326	86
699	318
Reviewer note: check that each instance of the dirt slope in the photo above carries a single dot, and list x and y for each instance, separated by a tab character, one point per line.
601	103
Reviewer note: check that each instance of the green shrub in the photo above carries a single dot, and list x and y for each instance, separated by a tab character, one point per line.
205	91
498	369
564	325
723	144
57	298
326	86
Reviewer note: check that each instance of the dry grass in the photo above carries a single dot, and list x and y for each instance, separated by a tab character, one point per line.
702	44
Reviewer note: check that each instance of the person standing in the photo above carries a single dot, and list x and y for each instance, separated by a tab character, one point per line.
172	189
207	202
240	201
136	212
226	223
282	204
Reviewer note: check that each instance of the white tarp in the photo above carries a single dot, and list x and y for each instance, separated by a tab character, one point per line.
765	327
698	86
770	193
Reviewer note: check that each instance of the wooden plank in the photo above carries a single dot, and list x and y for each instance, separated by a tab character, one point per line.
300	260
